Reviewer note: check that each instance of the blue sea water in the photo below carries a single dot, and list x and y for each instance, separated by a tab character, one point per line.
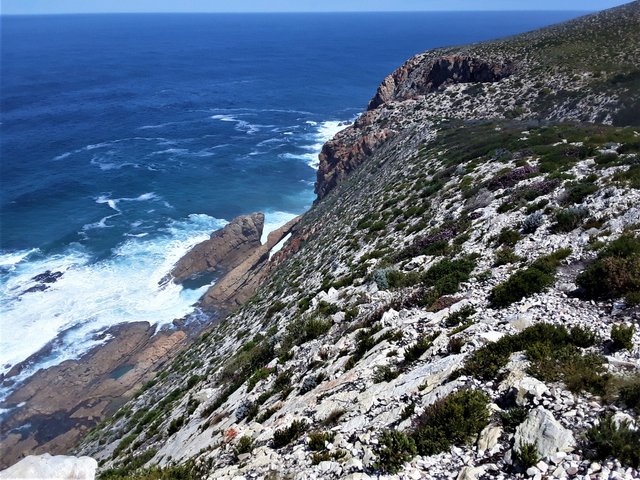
126	139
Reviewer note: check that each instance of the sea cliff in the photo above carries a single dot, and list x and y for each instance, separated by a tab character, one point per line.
460	302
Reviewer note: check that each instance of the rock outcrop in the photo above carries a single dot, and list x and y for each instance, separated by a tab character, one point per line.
421	75
237	285
61	403
543	431
47	467
225	249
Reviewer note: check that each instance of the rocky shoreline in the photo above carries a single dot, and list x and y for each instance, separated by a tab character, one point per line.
56	406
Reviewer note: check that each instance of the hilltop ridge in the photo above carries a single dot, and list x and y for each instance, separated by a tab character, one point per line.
460	302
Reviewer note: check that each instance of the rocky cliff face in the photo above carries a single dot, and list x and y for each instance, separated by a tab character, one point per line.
225	250
421	76
461	302
571	72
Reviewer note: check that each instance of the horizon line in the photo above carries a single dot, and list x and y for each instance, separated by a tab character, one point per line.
168	12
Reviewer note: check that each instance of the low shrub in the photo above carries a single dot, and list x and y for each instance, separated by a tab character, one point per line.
534	279
577	192
505	256
334	417
608	439
455	345
532	223
325	456
259	374
508	237
630	177
622	337
460	316
526	455
513	417
284	436
615	272
394	449
569	219
384	373
629	393
583	337
244	445
553	355
445	277
318	440
415	351
453	420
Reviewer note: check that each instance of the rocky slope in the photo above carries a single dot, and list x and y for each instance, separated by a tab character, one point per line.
461	302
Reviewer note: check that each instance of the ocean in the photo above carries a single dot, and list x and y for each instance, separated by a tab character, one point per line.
126	139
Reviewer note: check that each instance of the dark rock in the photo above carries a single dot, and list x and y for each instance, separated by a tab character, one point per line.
47	277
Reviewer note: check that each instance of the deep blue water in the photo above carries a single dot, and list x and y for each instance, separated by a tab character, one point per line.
128	138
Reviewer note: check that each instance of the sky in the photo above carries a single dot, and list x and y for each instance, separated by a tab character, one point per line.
11	7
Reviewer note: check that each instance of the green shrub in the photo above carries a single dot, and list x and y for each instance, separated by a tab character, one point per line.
629	393
384	373
505	256
583	337
244	445
186	471
553	356
397	279
513	417
460	316
284	436
569	219
445	277
455	345
175	425
326	308
534	279
258	375
619	441
453	420
415	351
318	440
616	271
275	307
526	455
333	417
622	337
394	449
325	456
509	237
268	413
630	177
577	192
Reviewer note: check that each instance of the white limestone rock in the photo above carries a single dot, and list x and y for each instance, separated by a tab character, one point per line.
59	467
543	430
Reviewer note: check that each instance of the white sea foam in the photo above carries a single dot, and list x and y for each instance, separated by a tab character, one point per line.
90	297
273	221
10	259
241	125
324	132
63	156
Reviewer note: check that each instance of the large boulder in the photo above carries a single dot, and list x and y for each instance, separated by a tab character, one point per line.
545	432
60	467
224	250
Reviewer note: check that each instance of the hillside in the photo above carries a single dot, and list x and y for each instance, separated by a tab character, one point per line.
462	301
